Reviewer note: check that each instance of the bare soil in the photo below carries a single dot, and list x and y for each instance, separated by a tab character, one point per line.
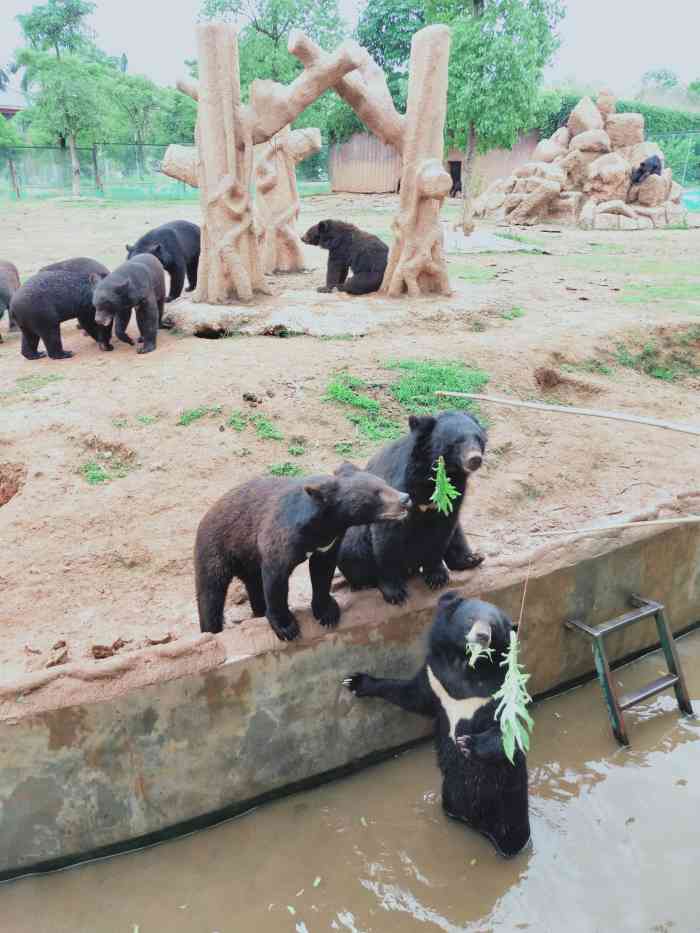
101	487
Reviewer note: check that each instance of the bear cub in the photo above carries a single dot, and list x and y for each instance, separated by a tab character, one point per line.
137	283
260	531
9	283
176	245
479	784
349	249
49	298
428	541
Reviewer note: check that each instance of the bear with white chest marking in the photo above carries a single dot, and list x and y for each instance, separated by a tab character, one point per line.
479	785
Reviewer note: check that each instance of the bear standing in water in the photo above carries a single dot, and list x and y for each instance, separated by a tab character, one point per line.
260	531
176	245
349	249
9	283
386	556
479	785
138	283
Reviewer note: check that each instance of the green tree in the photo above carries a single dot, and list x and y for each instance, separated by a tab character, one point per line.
138	99
660	78
69	98
59	25
694	91
499	51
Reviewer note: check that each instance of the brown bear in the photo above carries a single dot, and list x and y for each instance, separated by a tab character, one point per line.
138	283
177	245
9	283
349	248
260	531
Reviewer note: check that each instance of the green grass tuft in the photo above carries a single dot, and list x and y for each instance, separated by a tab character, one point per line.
421	379
296	449
147	419
189	415
285	469
513	314
94	473
265	429
377	428
238	420
342	389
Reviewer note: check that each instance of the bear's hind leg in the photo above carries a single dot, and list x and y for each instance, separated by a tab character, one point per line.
459	556
436	575
177	280
147	320
192	267
336	273
253	583
30	344
212	579
361	285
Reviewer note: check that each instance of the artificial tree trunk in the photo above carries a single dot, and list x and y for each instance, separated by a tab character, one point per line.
75	166
468	182
416	260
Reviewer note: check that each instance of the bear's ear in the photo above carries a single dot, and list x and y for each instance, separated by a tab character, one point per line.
321	492
448	602
94	279
421	424
323	226
346	469
157	250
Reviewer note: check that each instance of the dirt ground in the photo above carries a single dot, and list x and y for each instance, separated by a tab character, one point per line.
103	487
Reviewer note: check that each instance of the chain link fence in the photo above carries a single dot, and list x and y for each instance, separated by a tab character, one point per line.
682	152
117	172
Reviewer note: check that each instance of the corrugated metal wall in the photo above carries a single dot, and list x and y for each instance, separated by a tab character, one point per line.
364	165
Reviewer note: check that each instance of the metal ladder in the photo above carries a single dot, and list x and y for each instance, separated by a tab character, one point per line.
644	608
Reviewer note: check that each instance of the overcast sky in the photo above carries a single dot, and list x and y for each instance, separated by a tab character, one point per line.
612	42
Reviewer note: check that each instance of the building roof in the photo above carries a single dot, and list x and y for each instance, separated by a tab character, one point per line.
12	100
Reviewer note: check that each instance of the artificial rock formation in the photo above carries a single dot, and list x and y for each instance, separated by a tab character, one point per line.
278	199
221	163
582	175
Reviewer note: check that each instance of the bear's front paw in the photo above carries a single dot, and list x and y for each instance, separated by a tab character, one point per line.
464	744
287	630
437	578
145	348
166	324
357	684
105	346
63	355
469	562
329	615
326	289
394	593
125	338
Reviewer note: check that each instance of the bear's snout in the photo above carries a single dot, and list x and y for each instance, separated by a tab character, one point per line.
471	458
396	507
480	634
103	318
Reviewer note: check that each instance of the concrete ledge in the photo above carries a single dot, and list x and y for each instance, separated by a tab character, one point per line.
249	717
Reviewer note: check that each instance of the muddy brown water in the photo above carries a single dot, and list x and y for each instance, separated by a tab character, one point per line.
615	837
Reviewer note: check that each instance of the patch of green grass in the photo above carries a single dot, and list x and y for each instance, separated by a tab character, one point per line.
608	249
285	469
477	327
34	383
341	337
677	291
377	428
94	473
652	361
120	422
513	314
421	379
296	447
189	415
343	389
347	448
472	273
238	420
265	429
591	365
147	419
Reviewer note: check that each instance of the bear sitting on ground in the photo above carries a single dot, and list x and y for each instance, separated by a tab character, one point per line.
479	785
650	166
45	301
349	248
9	283
137	283
176	245
386	556
260	531
83	265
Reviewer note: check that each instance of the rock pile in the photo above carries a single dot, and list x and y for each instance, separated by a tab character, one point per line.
582	175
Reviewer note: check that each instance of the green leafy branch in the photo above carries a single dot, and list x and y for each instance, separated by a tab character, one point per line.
445	492
515	721
476	651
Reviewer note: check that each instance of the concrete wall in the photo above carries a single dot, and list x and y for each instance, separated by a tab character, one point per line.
92	775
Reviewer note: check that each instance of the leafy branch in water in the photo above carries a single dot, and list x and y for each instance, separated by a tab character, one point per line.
515	721
476	651
444	492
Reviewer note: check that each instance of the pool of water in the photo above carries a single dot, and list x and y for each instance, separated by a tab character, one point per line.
691	200
614	846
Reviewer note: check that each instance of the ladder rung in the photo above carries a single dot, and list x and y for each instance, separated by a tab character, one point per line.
656	686
595	631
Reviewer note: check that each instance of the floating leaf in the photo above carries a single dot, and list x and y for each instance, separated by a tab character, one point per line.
317	881
444	492
515	721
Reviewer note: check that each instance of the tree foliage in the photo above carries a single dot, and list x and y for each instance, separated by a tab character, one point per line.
58	25
657	120
662	78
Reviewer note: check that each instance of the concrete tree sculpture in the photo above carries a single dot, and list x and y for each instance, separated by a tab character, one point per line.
278	199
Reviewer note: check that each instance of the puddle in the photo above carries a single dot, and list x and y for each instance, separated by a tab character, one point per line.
614	842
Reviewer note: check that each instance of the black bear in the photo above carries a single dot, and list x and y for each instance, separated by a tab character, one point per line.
387	555
650	166
9	283
137	283
176	245
479	785
83	265
260	531
456	173
349	249
45	301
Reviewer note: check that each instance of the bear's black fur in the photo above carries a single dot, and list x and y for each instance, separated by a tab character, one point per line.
83	265
456	173
137	283
479	785
45	301
386	556
176	245
650	166
9	283
260	531
349	248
